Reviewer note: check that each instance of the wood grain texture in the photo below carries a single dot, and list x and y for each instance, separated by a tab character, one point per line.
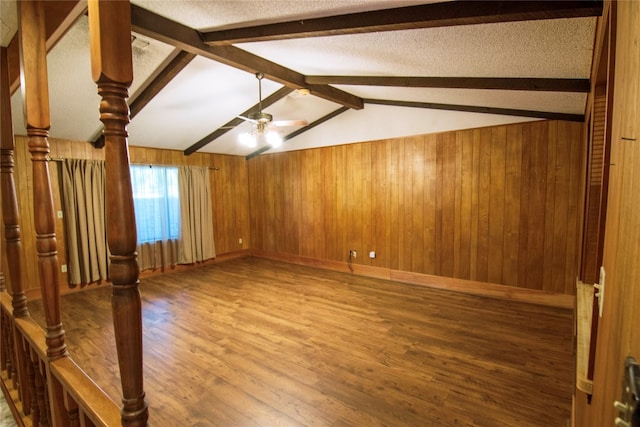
618	335
276	188
269	343
497	204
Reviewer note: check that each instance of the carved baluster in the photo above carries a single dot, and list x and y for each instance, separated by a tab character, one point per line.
33	407
7	354
35	382
27	392
40	391
72	410
112	70
3	337
11	219
45	388
12	368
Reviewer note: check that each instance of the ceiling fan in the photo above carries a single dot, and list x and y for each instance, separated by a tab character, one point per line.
264	123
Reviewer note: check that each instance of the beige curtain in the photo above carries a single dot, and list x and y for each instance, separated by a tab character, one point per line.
160	254
84	218
196	242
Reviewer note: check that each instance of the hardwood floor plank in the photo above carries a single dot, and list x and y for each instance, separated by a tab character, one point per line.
253	342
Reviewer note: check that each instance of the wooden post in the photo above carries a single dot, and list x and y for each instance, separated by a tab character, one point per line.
11	218
10	212
36	102
35	92
112	70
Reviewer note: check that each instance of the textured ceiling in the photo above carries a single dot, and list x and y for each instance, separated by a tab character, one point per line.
8	21
512	49
206	15
208	94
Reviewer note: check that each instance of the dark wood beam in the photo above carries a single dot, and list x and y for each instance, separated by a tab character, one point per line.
269	100
402	18
476	109
59	17
531	84
163	29
301	130
170	67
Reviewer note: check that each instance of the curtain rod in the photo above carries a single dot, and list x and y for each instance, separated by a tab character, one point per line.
61	159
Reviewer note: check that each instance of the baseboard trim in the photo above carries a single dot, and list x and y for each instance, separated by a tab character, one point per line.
35	293
472	287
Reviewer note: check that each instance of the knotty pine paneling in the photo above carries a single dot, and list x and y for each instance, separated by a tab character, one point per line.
229	192
497	204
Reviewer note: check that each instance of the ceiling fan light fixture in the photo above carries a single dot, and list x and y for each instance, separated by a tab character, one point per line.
261	117
262	122
248	139
273	139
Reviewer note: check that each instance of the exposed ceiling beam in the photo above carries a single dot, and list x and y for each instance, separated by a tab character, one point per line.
166	71
476	109
163	29
59	17
402	18
301	130
170	68
531	84
269	100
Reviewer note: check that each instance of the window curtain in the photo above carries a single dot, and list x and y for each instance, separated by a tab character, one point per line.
196	242
84	218
157	215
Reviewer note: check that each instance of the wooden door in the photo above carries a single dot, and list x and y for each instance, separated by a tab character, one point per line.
619	334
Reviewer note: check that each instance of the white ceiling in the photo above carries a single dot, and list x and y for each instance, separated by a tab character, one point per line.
208	94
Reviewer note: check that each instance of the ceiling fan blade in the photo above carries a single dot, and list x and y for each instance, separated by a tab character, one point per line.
247	119
285	123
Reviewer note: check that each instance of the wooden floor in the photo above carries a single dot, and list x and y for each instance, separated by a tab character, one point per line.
256	342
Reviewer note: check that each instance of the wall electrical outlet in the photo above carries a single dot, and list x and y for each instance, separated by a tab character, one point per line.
240	240
353	253
372	254
63	268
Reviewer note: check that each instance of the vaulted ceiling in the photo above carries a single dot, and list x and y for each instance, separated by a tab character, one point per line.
374	69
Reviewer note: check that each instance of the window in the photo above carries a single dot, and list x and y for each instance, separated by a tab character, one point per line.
157	202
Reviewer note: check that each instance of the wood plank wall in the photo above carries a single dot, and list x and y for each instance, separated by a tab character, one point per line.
228	188
497	204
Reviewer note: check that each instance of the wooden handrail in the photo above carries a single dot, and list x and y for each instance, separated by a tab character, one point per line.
91	401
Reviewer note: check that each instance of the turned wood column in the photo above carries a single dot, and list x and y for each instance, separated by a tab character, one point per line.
112	70
11	219
35	91
10	212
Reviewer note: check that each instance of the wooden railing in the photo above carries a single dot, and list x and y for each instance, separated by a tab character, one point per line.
46	384
43	385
